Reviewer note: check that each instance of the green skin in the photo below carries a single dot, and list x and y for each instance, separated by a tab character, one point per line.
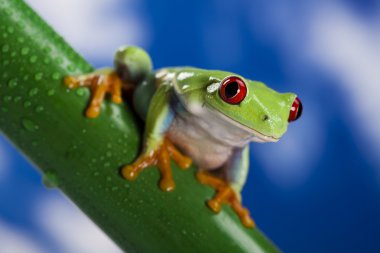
185	105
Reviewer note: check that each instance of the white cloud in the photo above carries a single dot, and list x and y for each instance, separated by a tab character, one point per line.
349	48
94	28
70	229
13	240
346	46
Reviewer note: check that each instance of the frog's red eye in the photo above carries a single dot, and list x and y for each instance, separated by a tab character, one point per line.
233	90
295	110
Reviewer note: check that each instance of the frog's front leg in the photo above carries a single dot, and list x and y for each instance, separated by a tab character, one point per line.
100	83
229	187
157	147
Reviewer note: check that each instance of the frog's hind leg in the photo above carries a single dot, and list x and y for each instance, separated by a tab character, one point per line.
100	83
225	194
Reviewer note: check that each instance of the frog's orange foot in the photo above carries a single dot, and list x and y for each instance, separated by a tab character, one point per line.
99	84
161	158
225	195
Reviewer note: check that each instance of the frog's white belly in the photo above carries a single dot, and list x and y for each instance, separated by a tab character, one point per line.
204	151
207	139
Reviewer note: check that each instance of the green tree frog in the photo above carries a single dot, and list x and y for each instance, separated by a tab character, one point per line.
207	117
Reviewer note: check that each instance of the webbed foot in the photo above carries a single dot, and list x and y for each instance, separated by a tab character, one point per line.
100	84
225	195
161	158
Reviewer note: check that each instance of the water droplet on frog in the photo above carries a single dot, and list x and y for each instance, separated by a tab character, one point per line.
109	154
33	92
38	76
29	125
115	188
12	83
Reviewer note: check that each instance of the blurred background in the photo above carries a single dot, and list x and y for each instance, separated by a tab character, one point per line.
317	190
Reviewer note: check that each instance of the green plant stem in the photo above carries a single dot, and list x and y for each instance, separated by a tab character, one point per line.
82	156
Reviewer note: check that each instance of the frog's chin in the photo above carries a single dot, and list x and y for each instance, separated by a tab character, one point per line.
256	135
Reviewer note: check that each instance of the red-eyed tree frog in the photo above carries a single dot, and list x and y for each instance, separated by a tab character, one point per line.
207	117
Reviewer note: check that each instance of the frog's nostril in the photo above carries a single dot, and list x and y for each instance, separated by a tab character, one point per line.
265	117
295	110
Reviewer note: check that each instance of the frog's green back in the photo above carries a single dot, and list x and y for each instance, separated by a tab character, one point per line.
188	79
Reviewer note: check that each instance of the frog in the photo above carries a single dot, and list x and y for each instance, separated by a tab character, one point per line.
193	116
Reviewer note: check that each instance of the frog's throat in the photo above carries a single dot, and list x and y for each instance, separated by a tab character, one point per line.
260	136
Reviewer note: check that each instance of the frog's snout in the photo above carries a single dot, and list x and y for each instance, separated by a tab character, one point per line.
295	110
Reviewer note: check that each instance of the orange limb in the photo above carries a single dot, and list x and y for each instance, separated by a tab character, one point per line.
100	85
161	159
224	195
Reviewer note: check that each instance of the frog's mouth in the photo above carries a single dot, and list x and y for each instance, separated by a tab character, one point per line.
256	135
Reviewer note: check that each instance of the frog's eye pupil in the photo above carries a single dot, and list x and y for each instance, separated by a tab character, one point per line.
233	90
295	110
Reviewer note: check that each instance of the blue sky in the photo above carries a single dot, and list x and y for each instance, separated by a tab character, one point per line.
317	190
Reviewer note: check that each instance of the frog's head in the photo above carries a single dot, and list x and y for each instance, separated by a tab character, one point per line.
250	105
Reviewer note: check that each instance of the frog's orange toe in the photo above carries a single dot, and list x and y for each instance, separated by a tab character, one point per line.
92	112
70	82
225	195
161	159
185	163
129	173
99	85
167	185
247	221
214	205
117	99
